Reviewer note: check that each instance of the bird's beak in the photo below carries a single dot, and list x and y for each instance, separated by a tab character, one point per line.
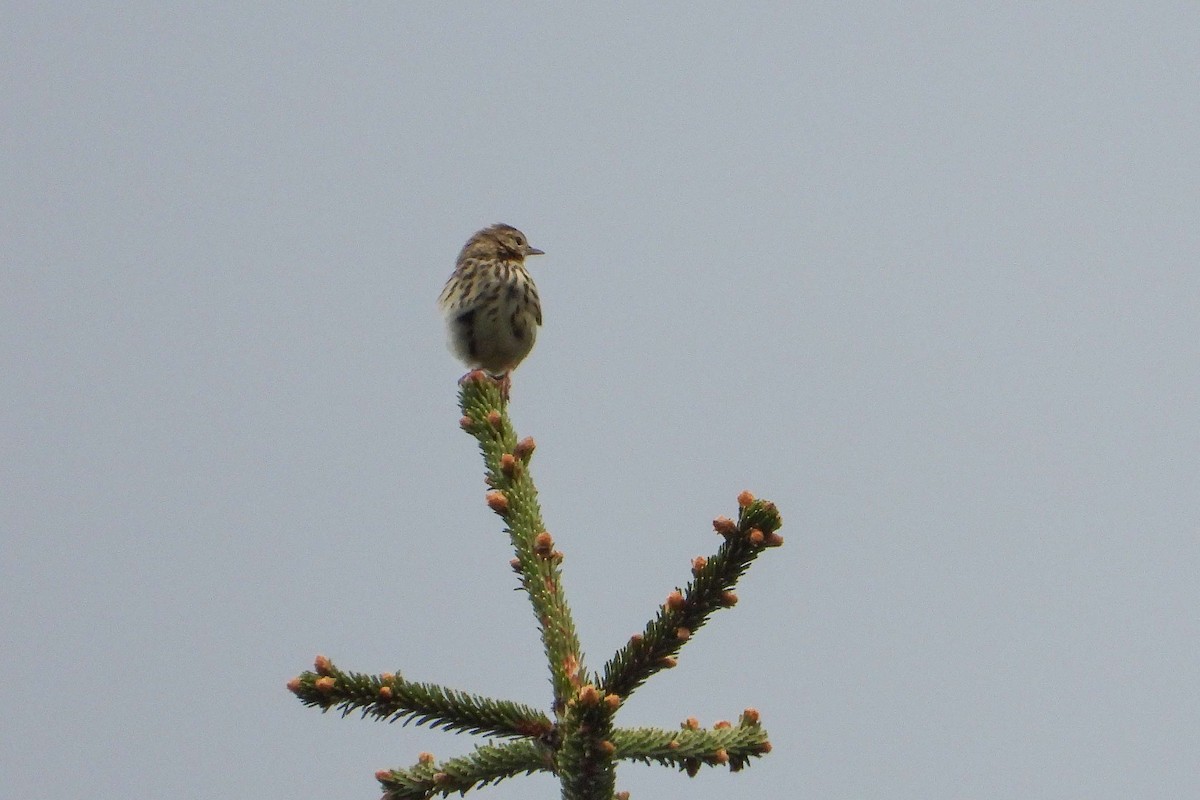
533	251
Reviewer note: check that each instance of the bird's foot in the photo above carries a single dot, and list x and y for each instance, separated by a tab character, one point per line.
473	376
503	382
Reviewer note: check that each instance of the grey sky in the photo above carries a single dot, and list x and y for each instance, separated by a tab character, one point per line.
923	274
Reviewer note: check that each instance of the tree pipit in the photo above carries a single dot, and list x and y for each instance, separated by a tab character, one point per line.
490	303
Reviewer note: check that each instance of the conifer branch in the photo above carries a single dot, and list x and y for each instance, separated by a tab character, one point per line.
391	698
687	609
691	747
486	765
514	498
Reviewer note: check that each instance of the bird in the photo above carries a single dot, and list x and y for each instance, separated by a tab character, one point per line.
491	304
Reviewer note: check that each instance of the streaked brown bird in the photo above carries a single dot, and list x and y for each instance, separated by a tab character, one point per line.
491	305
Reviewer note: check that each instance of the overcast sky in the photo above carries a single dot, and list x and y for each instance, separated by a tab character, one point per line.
926	275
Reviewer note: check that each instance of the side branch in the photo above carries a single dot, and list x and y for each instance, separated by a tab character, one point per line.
691	747
490	764
390	698
710	589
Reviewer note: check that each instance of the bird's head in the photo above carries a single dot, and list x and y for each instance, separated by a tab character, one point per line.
499	241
